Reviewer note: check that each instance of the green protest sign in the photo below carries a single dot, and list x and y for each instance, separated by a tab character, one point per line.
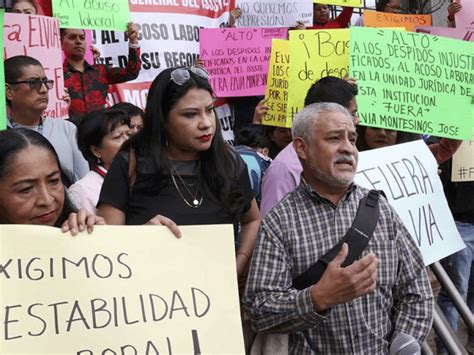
3	111
413	82
92	14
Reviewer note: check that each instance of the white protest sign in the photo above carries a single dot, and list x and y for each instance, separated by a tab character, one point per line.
121	290
168	37
463	162
408	174
274	13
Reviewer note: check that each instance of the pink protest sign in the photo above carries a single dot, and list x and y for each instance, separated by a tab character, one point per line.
237	58
465	17
456	33
38	37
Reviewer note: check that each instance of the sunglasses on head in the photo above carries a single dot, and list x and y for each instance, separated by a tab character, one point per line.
181	75
35	84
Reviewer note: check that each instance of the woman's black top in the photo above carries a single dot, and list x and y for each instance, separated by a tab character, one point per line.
146	199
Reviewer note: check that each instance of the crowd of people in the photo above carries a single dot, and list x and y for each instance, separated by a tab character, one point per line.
289	193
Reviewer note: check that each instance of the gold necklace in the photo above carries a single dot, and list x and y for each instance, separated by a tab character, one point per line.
195	203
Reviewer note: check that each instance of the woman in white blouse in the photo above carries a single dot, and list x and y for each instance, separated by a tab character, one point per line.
99	136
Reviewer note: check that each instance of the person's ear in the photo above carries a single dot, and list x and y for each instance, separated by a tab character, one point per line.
95	151
8	91
301	148
266	151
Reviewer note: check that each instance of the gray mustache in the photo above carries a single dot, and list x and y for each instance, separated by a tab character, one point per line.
345	159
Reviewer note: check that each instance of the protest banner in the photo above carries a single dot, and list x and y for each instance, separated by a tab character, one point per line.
38	37
413	82
314	54
277	85
386	19
465	17
463	162
408	174
237	59
274	13
121	290
347	3
3	109
92	14
455	33
168	37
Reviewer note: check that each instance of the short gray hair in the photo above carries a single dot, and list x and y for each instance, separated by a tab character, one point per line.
306	119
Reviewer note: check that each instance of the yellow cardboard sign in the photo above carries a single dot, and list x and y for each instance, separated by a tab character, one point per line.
385	19
277	85
463	162
132	290
314	54
347	3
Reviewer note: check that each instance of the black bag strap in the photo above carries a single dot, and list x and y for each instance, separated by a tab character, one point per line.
357	238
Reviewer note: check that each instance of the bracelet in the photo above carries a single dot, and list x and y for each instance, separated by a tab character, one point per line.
241	252
450	18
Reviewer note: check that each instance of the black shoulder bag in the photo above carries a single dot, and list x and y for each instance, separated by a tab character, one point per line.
357	238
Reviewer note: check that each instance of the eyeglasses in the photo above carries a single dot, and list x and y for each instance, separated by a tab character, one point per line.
35	84
181	75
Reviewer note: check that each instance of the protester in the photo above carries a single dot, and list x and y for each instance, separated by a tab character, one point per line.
178	169
459	266
279	138
253	148
31	191
372	138
28	7
100	136
322	18
283	175
355	309
88	84
135	114
26	91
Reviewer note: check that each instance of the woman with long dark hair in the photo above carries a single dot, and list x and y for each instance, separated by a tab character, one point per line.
31	190
178	169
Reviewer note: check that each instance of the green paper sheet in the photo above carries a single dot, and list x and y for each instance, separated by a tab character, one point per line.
413	82
92	14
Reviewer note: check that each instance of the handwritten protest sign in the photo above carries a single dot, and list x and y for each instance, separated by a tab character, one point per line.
314	54
408	174
274	13
277	85
121	290
455	33
92	14
385	19
463	162
465	17
413	82
38	37
3	113
237	58
349	3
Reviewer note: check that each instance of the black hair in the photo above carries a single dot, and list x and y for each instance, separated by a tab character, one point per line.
14	66
62	32
130	109
95	126
220	165
12	142
380	5
402	137
32	2
331	89
252	138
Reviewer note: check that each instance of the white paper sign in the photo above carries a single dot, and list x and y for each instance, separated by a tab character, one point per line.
274	13
408	174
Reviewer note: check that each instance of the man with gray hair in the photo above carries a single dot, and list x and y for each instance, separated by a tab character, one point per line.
353	309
